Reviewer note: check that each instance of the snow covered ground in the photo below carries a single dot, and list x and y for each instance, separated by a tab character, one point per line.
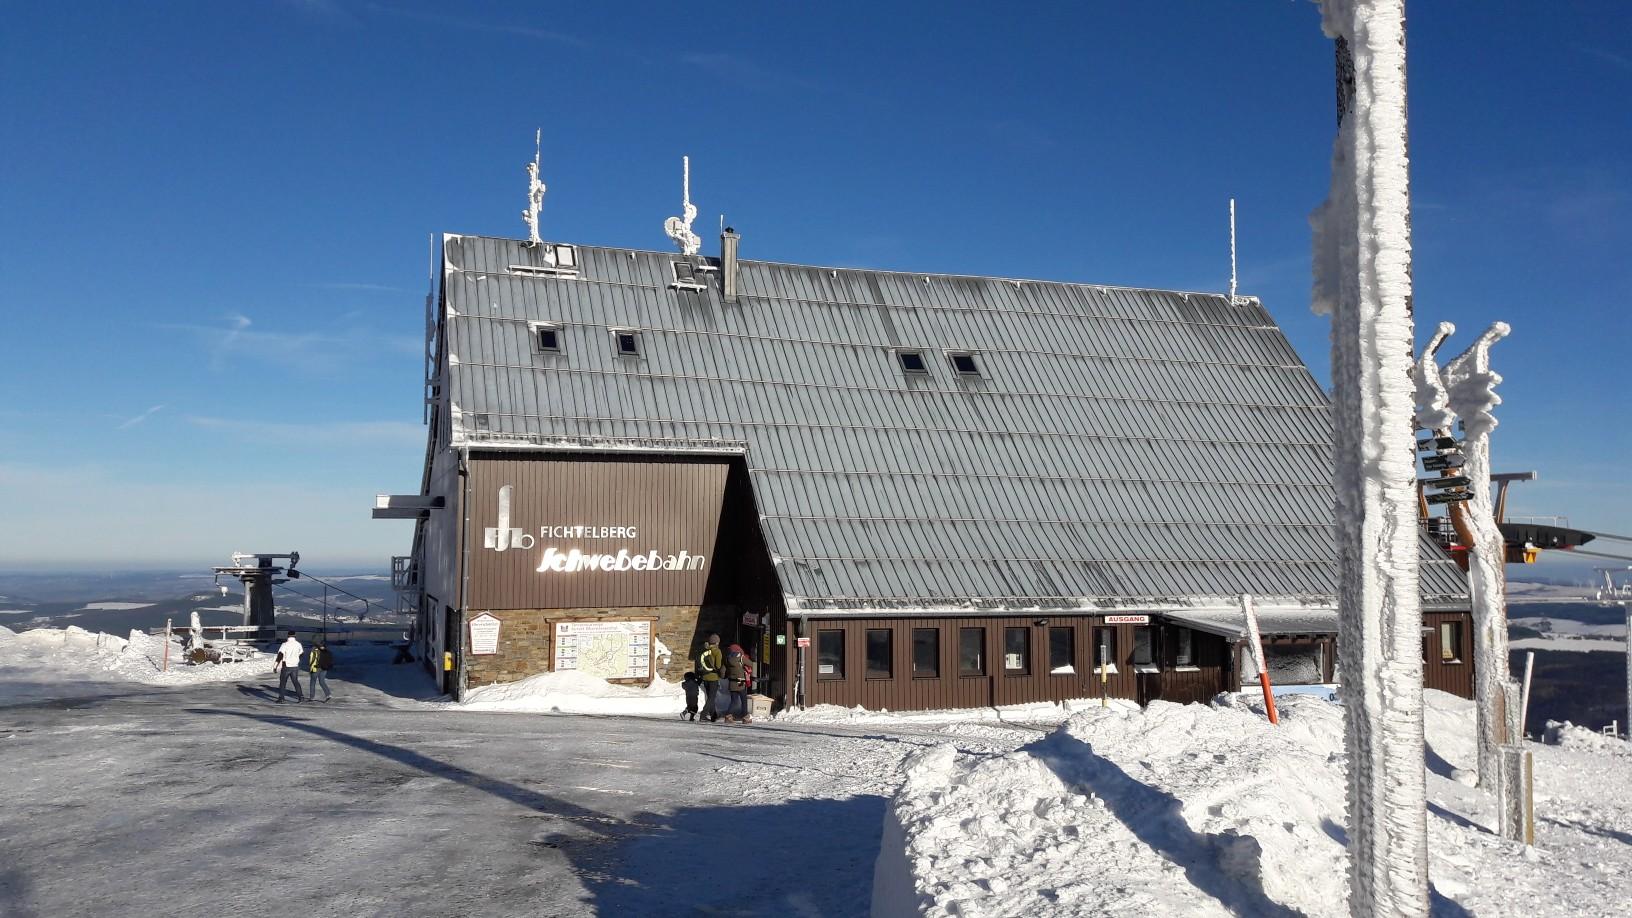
202	797
1209	810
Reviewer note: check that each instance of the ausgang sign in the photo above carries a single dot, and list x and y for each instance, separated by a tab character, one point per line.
1127	619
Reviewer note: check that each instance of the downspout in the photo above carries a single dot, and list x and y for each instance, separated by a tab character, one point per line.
464	569
804	631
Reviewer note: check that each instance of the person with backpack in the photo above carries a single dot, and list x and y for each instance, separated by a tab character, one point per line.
321	662
738	674
287	665
709	664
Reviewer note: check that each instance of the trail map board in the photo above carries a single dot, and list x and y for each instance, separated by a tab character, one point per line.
609	650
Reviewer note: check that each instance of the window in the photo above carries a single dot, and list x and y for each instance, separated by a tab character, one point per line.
626	342
1062	651
971	651
547	338
880	642
685	276
963	363
1184	647
1450	642
565	256
1016	651
830	654
1144	651
912	362
1105	649
926	652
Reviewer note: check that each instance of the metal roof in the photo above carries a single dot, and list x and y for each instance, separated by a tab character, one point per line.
1120	447
1232	623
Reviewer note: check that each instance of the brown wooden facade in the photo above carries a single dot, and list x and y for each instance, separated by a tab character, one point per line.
1184	668
908	685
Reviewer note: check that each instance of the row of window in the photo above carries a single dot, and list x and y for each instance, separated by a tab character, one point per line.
926	657
626	342
914	363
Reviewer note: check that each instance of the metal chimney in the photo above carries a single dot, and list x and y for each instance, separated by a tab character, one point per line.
728	263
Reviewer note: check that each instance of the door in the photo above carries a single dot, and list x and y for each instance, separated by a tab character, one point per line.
451	634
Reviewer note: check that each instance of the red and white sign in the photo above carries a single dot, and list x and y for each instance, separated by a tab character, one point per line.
1127	619
804	642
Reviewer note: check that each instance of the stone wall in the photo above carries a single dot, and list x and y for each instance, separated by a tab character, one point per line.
525	637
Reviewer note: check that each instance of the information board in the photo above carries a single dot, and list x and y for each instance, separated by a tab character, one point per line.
484	634
605	649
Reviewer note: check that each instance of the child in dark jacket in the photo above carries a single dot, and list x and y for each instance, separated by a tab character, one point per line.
692	685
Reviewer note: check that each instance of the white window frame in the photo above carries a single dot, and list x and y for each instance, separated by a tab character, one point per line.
617	351
900	363
533	328
976	373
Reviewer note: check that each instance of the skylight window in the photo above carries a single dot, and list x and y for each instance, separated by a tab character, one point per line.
547	338
685	276
963	363
626	342
912	362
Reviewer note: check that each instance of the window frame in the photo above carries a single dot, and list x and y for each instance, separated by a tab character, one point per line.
537	329
974	371
821	635
1150	665
1070	667
1450	656
1025	662
1110	656
1184	650
936	672
901	355
867	653
618	332
981	668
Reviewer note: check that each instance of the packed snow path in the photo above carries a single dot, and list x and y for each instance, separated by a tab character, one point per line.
211	800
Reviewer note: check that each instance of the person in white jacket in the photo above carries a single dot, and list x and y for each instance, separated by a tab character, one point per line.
287	666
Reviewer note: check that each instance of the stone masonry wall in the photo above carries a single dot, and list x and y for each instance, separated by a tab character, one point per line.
525	636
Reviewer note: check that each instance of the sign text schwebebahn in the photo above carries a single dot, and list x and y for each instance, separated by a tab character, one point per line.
504	537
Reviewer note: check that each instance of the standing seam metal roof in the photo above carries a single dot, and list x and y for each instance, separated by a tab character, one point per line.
1120	446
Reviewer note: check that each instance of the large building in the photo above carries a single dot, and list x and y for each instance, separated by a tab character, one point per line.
896	490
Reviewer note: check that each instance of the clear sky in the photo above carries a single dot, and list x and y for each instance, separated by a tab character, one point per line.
214	216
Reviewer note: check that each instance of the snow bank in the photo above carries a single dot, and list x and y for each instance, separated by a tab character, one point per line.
52	662
1043	712
573	692
1569	736
1098	817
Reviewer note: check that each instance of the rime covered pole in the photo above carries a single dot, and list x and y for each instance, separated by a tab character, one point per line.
1471	388
535	189
1363	280
1256	648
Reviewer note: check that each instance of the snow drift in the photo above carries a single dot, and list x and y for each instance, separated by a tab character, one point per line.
1209	810
572	692
53	662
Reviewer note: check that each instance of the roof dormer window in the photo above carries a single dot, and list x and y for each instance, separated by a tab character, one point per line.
912	362
626	342
963	363
547	338
685	276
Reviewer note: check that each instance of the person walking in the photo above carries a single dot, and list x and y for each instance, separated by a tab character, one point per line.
709	664
738	673
287	665
321	662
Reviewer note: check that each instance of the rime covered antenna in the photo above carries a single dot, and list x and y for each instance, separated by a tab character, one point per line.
535	189
679	228
1433	400
1232	252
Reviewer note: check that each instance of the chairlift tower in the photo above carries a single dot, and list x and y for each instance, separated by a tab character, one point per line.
258	573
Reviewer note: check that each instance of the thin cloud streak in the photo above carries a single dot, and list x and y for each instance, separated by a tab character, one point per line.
128	423
471	25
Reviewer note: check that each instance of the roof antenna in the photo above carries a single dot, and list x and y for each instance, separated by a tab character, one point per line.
535	189
1233	300
679	228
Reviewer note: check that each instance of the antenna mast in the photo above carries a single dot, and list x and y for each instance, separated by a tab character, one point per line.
535	189
1233	300
679	228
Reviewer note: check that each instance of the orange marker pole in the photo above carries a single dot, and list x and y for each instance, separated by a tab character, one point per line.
1256	645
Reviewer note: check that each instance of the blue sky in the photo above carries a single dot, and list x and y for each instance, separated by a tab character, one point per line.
214	217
